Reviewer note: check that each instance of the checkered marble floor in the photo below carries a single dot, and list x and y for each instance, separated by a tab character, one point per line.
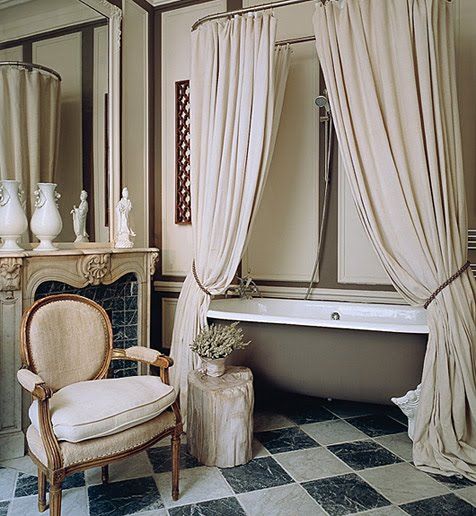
311	457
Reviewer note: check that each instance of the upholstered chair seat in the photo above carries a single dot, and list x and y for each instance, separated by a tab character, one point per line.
80	418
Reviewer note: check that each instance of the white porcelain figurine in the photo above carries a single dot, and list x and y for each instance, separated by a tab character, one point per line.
123	233
79	218
408	404
13	221
46	222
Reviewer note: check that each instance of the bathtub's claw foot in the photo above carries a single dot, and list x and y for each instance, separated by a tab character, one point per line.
408	404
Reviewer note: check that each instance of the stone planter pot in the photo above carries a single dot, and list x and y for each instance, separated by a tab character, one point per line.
214	366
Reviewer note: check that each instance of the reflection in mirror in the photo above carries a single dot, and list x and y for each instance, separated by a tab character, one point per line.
71	39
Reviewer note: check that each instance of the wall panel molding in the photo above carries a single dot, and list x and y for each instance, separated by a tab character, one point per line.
357	262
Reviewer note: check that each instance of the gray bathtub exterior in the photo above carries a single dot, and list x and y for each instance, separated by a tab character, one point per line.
347	364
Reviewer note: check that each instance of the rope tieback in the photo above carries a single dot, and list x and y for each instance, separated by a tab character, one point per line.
445	284
199	283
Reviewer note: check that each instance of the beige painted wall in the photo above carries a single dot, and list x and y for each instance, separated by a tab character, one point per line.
466	56
135	116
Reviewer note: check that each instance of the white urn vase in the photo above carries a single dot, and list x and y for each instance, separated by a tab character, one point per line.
46	222
13	221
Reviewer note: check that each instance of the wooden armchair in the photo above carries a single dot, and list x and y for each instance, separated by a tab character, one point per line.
79	418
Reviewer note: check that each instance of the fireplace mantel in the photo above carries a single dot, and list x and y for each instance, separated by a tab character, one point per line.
20	276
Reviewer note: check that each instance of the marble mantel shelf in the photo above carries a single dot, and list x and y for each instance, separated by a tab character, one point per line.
71	250
21	274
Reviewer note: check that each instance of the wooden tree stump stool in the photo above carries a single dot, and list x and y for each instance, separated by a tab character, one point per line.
220	417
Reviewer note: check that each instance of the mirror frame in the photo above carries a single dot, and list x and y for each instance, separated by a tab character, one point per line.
114	15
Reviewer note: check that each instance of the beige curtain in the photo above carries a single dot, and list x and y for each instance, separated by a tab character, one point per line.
29	114
389	67
235	109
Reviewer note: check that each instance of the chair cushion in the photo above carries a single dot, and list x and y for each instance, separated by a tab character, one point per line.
97	408
92	449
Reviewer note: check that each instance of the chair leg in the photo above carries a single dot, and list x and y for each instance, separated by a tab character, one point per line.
56	495
105	474
41	491
175	466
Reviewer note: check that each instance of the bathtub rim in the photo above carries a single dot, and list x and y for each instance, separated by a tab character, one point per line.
384	326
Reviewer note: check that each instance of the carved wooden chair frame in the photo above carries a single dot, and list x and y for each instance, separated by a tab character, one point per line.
55	471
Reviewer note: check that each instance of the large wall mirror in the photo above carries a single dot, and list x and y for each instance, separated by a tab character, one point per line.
80	40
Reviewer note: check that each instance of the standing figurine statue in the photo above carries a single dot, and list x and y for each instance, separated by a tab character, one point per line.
123	231
79	218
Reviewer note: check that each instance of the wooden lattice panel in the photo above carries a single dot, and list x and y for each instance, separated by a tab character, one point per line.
183	208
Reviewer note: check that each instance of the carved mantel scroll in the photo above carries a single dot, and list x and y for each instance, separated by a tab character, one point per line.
10	274
95	268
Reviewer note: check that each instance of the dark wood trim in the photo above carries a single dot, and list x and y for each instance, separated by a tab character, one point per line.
156	326
151	122
87	125
145	5
27	52
179	4
52	34
156	240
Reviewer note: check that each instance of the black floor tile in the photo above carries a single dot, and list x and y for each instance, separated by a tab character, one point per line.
453	482
222	507
4	508
27	485
447	505
345	494
257	474
126	497
305	409
285	439
377	425
344	409
161	458
363	454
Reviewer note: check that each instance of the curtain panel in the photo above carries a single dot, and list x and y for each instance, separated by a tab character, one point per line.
29	101
235	108
389	67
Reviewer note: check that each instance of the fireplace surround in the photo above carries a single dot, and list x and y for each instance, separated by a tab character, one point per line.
118	279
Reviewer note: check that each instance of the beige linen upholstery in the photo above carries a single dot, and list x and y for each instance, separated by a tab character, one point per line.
142	353
76	453
389	67
97	408
29	380
78	324
237	90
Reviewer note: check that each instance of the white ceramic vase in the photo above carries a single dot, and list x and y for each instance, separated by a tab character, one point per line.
46	222
214	366
13	221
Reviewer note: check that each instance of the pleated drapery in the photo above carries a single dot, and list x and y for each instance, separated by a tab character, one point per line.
29	114
237	88
389	67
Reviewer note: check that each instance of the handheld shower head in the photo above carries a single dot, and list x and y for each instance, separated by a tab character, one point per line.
322	102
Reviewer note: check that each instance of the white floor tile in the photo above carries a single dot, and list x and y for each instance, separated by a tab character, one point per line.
23	464
7	483
196	485
135	466
333	432
399	444
75	502
402	483
280	501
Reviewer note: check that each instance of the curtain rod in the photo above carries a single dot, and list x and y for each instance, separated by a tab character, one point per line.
244	10
303	39
31	66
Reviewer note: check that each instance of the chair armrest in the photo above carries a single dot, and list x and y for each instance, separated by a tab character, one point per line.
34	384
143	354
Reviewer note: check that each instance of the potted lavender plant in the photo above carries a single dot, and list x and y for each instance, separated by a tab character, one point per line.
214	343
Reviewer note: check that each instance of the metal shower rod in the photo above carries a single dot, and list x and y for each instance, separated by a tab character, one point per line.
255	8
